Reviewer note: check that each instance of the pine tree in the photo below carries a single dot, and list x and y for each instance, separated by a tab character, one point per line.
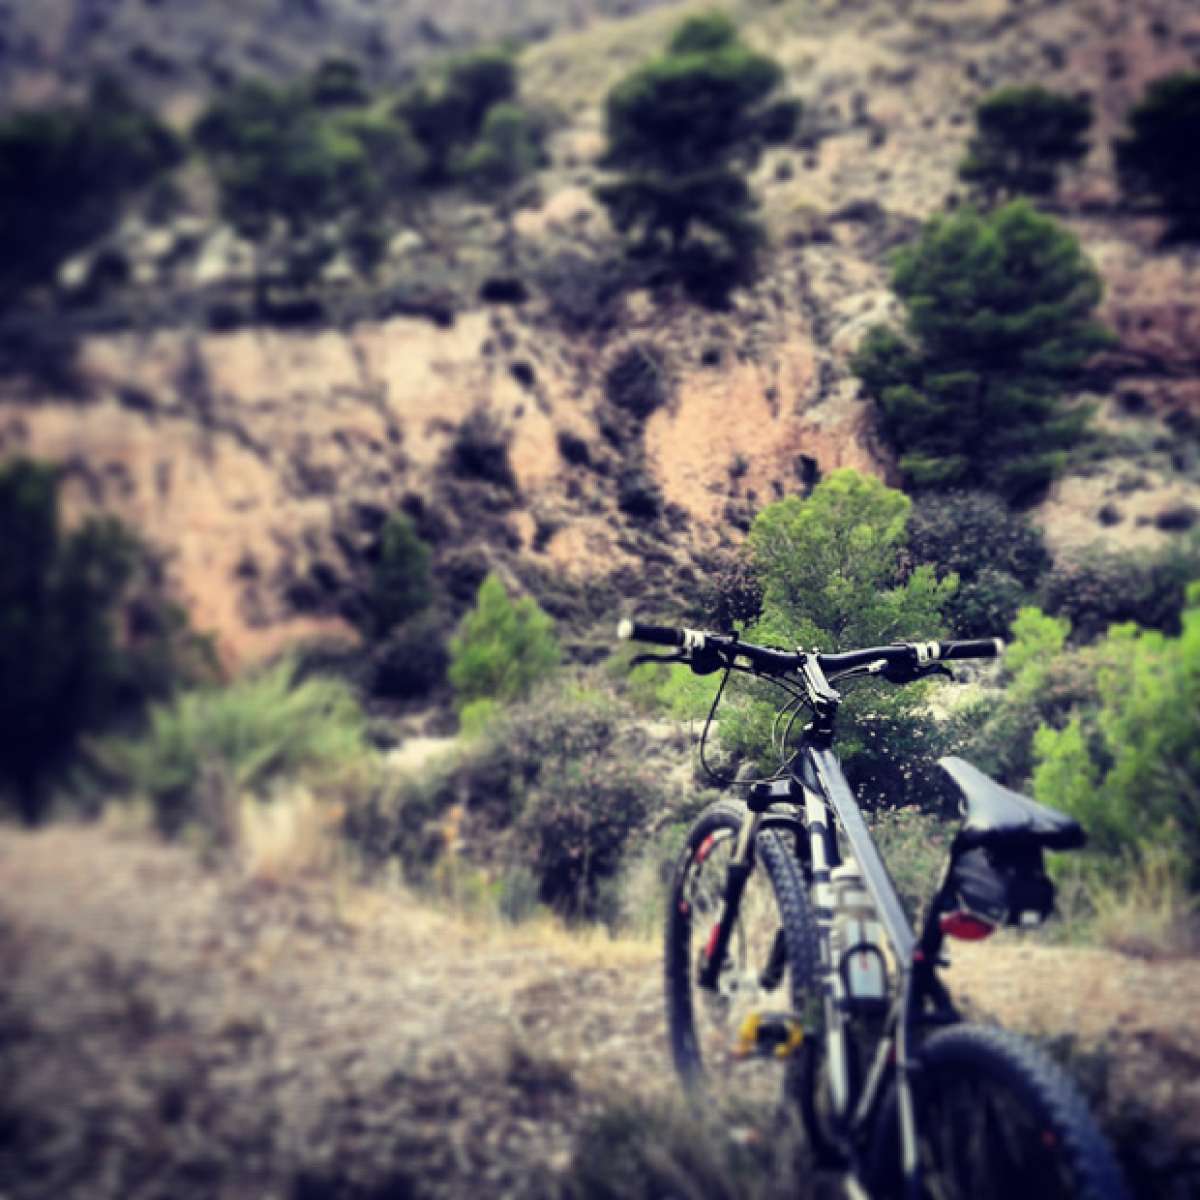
1157	159
447	111
831	575
999	326
1024	137
65	175
683	131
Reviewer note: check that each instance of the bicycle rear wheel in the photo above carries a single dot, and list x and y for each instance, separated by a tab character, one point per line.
770	967
996	1118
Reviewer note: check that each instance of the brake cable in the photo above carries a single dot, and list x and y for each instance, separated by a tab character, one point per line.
798	698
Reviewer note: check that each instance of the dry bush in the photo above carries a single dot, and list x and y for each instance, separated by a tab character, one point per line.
290	837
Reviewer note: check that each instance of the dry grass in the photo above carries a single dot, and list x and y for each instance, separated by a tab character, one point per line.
635	1148
290	836
1149	912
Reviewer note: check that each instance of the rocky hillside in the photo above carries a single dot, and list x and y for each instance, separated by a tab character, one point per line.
597	448
180	51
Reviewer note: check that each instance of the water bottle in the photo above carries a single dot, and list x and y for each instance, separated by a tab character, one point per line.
858	940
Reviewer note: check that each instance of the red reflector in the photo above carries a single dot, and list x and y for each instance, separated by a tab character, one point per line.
712	941
966	925
705	847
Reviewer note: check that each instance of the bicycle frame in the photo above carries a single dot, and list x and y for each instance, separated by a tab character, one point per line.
818	784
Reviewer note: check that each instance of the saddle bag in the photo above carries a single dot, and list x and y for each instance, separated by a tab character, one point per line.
1005	884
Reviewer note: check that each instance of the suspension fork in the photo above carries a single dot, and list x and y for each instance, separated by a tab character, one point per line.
736	875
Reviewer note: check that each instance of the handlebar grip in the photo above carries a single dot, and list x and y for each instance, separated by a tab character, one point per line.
658	635
973	648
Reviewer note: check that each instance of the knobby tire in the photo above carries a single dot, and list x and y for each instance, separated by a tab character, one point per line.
996	1117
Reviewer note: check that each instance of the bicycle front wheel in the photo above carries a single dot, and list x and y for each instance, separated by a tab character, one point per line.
770	966
996	1118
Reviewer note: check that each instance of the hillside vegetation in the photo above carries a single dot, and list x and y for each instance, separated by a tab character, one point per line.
348	399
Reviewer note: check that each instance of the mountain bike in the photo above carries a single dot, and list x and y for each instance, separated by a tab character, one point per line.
792	972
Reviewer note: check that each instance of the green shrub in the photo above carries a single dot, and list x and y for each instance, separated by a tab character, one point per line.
1156	159
502	647
401	583
1129	769
87	634
1024	137
242	737
66	173
996	553
447	110
494	166
304	177
683	129
411	662
999	326
829	566
1095	587
1044	685
553	786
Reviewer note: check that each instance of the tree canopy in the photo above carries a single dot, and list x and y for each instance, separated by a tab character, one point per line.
1157	158
502	648
65	173
831	570
66	668
1000	323
1024	137
997	554
308	166
682	131
447	111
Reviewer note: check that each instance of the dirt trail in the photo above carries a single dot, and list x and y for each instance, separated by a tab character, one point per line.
171	1032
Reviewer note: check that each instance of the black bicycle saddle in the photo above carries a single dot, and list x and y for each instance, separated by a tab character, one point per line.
996	814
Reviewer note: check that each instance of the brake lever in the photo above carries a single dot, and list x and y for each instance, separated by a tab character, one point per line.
638	659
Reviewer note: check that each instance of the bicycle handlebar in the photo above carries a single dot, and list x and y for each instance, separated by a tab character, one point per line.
771	661
656	635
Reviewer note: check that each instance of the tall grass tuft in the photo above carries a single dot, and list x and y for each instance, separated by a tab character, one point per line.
208	748
1148	911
